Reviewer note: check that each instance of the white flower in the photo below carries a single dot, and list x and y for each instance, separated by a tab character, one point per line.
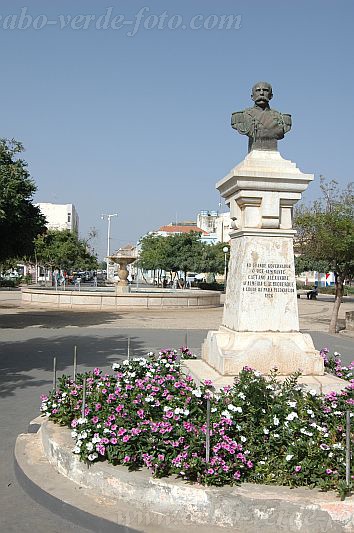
276	421
276	435
74	433
78	443
177	411
241	395
231	407
115	366
291	416
126	362
83	435
313	392
92	456
261	462
243	439
292	404
226	414
257	374
96	439
266	431
106	430
89	446
197	393
81	420
76	449
150	354
238	409
167	408
213	409
186	412
289	457
132	374
336	354
64	394
149	399
337	446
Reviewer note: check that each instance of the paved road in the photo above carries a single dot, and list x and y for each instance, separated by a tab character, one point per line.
28	341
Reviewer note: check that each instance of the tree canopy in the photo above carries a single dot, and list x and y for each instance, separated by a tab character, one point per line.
181	252
326	237
20	220
64	250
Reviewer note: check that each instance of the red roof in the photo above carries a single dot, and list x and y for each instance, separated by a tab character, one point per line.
181	229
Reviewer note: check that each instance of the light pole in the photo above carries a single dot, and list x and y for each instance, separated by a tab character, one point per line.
225	250
103	216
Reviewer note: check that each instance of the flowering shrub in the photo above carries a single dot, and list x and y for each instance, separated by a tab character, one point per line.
148	413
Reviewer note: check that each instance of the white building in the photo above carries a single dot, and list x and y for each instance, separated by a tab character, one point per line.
216	224
60	216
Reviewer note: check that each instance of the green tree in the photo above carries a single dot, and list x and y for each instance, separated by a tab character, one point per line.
183	252
326	237
213	259
64	250
20	220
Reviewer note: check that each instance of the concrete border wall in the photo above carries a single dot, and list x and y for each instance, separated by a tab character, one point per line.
245	506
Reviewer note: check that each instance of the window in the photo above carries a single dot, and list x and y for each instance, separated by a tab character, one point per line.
69	217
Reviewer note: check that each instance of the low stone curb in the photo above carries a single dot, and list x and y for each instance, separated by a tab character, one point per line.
248	507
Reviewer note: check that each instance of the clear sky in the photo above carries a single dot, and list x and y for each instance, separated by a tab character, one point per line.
134	118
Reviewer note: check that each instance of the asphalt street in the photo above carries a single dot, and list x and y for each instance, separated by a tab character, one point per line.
28	342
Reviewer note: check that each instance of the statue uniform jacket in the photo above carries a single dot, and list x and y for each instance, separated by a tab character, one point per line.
263	126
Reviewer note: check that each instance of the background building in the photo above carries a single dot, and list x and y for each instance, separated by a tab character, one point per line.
216	224
60	216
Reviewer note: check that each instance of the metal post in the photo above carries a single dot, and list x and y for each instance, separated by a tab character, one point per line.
207	434
128	350
108	236
83	398
75	363
347	451
54	373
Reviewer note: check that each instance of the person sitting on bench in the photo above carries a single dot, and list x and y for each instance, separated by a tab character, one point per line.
313	293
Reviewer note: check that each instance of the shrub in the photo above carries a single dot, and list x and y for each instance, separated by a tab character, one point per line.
148	413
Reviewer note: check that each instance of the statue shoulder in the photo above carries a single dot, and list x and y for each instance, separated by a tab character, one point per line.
241	120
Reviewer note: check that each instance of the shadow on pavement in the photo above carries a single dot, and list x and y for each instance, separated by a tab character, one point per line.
55	319
19	358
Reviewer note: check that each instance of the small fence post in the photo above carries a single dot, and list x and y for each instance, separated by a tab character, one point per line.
207	433
83	398
75	363
347	450
54	373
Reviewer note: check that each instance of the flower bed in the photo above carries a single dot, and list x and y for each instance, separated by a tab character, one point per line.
148	413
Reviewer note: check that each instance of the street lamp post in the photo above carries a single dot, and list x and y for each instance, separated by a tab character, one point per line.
103	216
225	250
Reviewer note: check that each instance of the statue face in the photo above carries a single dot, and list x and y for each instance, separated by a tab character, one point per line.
262	93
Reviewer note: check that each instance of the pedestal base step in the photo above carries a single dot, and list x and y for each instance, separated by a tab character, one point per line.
200	370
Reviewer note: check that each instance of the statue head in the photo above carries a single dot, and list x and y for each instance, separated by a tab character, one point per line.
262	93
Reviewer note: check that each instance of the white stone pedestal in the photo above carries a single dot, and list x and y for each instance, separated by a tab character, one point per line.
260	321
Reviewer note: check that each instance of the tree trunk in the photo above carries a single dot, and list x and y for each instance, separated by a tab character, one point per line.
333	326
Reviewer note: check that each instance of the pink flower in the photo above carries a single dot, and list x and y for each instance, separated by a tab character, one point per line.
298	468
95	419
113	440
237	474
126	438
126	459
210	471
329	471
140	413
96	371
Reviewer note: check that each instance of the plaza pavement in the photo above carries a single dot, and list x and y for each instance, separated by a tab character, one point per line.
30	337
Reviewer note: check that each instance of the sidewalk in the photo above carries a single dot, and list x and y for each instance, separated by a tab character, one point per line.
314	315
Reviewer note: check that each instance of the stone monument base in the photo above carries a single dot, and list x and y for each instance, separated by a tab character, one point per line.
200	370
228	351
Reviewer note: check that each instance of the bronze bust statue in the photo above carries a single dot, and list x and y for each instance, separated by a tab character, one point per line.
263	125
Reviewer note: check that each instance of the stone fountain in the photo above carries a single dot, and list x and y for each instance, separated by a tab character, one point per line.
123	257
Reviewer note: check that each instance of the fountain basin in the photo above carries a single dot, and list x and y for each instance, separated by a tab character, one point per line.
103	299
